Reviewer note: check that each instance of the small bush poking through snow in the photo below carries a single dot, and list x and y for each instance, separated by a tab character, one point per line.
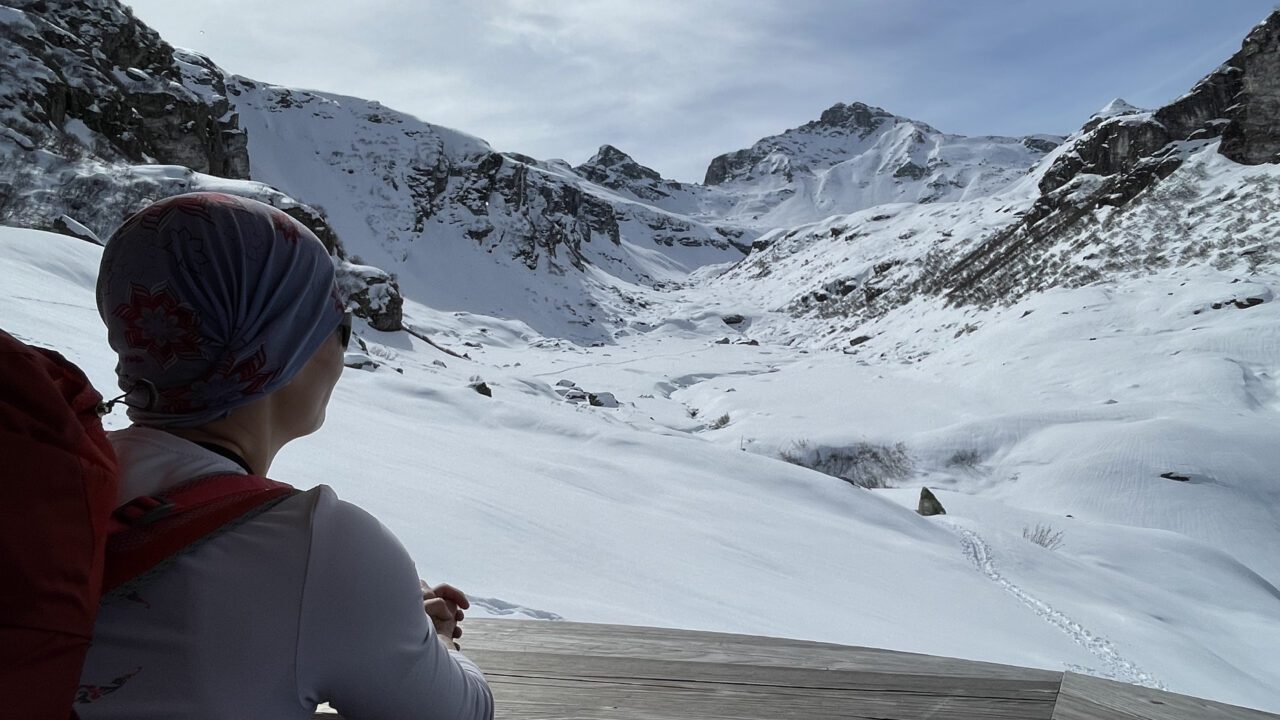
866	465
1044	536
720	422
965	459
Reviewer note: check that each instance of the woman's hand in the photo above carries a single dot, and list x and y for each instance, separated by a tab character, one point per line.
444	605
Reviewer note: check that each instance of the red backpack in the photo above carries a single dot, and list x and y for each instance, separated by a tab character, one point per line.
63	541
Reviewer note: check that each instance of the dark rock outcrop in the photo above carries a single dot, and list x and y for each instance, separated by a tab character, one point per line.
65	225
614	169
372	294
91	61
858	116
1115	159
929	504
855	119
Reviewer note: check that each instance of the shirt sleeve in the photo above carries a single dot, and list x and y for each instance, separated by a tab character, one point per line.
365	645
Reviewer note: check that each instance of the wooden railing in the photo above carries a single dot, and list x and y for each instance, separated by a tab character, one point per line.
551	670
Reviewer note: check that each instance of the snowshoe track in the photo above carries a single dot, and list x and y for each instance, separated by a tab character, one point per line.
1114	665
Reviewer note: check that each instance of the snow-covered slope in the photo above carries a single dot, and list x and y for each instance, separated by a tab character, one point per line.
855	157
1074	340
567	250
466	228
840	279
652	512
1131	193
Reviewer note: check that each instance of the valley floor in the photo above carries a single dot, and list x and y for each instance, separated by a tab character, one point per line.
1135	423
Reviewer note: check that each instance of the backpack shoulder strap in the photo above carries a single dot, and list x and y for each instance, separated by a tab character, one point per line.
152	529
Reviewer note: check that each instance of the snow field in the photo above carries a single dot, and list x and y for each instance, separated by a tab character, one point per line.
644	514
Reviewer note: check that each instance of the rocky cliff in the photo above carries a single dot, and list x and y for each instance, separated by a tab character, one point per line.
99	116
1132	192
90	64
1114	160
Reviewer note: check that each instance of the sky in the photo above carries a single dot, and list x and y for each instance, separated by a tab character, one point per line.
675	83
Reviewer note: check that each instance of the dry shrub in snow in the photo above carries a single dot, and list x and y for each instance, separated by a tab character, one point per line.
867	465
1044	536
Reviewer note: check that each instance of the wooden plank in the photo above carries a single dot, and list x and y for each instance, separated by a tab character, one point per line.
544	699
627	669
668	644
1090	698
577	671
538	686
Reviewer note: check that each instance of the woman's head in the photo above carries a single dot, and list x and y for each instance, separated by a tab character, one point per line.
213	302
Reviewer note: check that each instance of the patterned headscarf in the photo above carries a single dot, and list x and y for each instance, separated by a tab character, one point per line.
212	301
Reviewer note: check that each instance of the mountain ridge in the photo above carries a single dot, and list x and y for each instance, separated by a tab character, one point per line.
572	250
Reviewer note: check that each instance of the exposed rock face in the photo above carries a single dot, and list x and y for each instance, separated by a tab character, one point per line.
929	504
1134	191
1115	146
99	117
91	61
404	185
614	169
1253	135
1237	102
856	119
372	294
1132	151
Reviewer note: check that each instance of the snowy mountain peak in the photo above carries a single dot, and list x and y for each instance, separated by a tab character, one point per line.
856	156
617	170
854	115
1116	108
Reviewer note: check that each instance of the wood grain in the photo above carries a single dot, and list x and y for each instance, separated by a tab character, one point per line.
1086	698
579	671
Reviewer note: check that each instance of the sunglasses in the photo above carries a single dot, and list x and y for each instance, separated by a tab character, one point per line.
344	331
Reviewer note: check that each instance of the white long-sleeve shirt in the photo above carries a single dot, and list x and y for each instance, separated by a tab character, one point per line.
311	601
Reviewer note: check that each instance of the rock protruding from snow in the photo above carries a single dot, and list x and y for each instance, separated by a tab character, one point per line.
616	170
929	504
1117	107
94	64
372	294
67	225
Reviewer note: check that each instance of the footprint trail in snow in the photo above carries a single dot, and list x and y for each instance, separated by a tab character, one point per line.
1115	666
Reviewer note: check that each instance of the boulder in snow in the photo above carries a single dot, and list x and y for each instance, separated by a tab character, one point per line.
929	504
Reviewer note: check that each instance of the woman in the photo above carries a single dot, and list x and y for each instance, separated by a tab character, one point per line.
230	334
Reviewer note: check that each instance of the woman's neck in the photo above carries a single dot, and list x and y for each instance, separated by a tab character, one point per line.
245	432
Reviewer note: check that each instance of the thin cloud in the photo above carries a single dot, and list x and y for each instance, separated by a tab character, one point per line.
676	82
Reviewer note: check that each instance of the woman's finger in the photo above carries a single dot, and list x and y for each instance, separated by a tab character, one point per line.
441	609
452	594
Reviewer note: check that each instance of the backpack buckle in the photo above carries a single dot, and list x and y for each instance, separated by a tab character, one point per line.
143	510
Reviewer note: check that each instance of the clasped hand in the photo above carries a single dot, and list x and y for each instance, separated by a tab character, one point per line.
444	604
